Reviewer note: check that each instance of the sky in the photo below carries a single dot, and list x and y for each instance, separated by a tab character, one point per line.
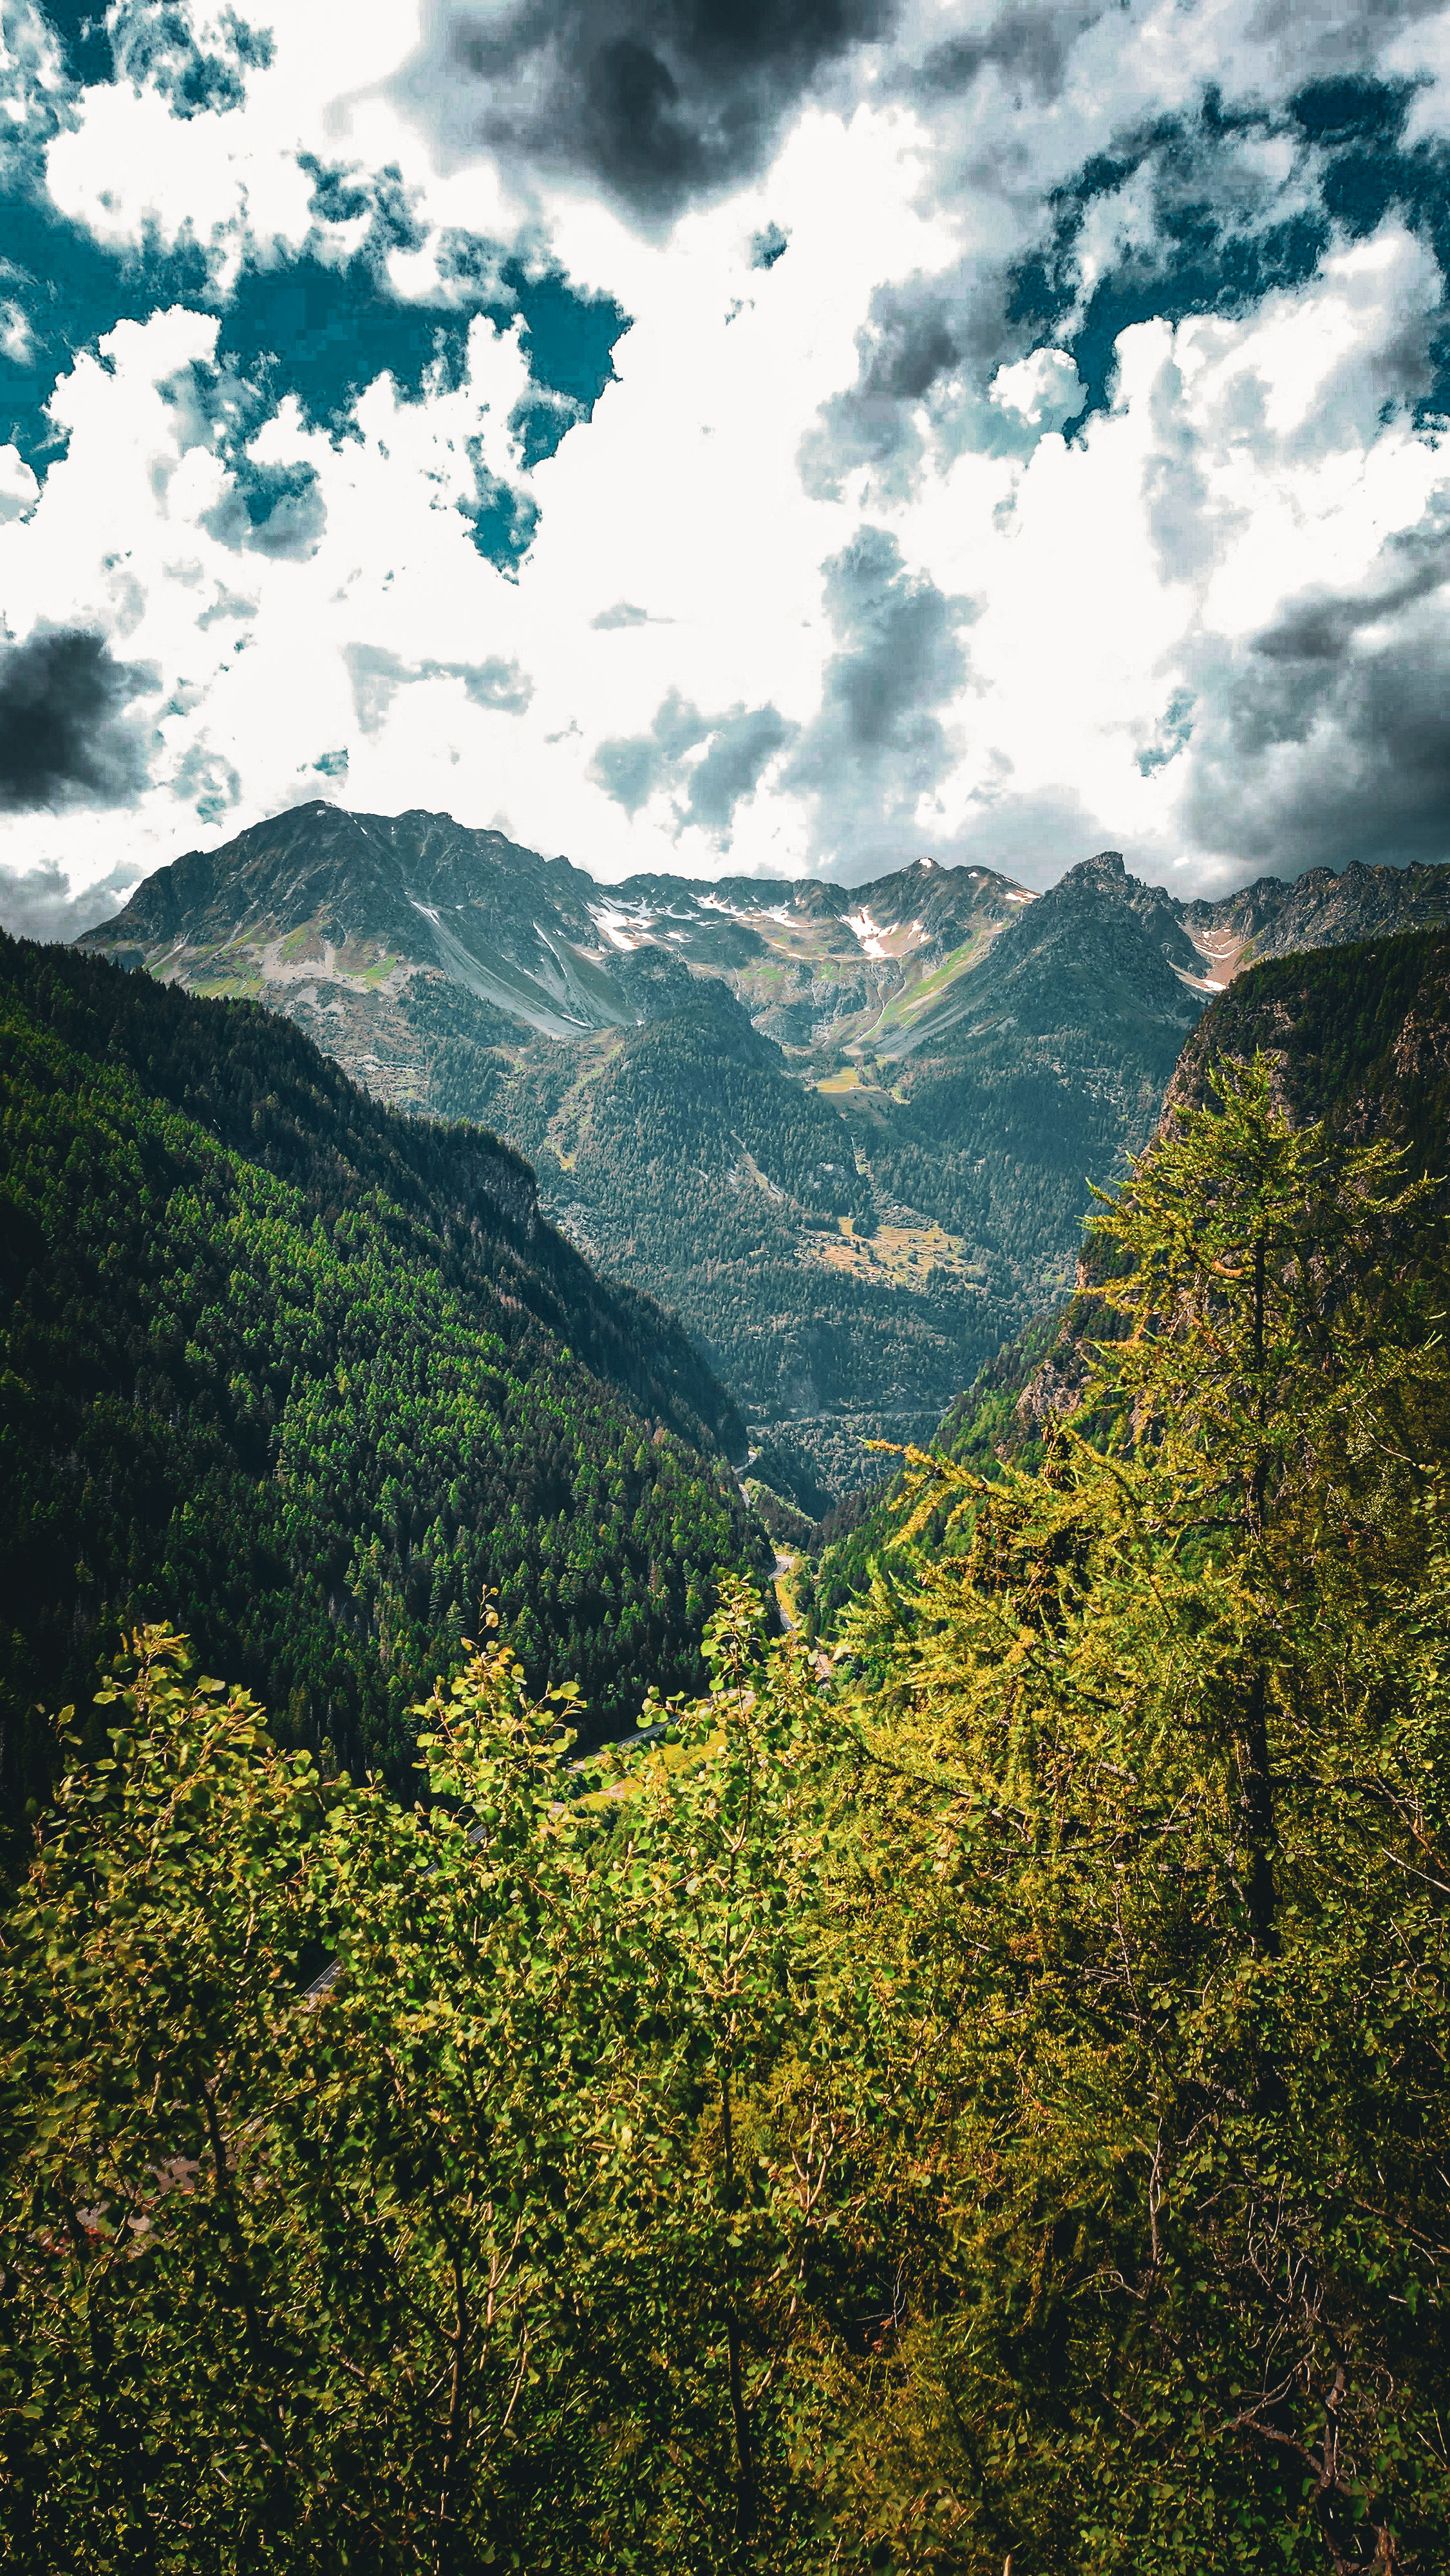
796	436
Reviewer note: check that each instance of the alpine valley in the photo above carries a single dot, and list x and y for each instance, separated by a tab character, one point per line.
847	1135
934	2062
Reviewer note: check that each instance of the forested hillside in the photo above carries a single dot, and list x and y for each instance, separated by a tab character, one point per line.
308	1377
1356	1034
686	1155
988	2110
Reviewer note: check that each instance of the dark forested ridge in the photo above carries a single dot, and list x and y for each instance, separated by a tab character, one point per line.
311	1375
1358	1035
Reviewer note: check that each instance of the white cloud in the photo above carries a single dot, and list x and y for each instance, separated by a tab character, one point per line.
1118	582
18	486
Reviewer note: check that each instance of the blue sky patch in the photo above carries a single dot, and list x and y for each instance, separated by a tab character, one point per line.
80	26
1174	734
1213	246
155	45
301	323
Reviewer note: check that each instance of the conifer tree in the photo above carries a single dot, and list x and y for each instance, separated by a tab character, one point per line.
1171	1718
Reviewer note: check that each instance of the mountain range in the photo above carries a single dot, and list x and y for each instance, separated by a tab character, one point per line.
845	1132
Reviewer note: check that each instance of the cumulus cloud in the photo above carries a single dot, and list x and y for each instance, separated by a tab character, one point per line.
1330	736
38	903
878	746
1121	332
197	68
1206	209
377	675
197	64
660	104
738	748
65	736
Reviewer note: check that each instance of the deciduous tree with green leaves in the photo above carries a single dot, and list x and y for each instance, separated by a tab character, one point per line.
503	2248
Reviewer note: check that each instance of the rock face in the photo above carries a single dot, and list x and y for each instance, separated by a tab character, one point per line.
1276	917
847	1133
352	906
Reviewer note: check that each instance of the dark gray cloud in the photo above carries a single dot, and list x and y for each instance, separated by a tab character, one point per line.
65	735
377	675
927	354
1029	47
37	903
878	744
662	102
1320	626
739	747
1327	738
902	653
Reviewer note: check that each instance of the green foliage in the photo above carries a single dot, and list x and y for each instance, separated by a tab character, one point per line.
1173	1721
507	2250
310	1384
977	1431
991	2109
